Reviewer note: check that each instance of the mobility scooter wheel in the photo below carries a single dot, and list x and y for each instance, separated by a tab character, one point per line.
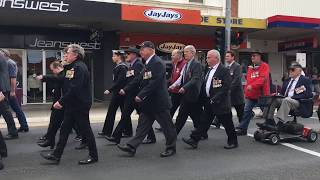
312	136
274	139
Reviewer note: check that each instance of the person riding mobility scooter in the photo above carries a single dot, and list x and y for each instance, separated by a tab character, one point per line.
295	99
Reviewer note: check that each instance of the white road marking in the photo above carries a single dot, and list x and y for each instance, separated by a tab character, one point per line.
301	149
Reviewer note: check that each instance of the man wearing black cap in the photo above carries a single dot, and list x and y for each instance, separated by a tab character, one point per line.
153	102
297	87
124	128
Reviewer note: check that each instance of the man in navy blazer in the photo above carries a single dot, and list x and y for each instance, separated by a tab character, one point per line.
296	88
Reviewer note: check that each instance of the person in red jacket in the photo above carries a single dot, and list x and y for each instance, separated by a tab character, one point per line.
178	64
258	84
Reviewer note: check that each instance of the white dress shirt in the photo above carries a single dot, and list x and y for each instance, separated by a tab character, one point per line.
147	61
293	86
209	80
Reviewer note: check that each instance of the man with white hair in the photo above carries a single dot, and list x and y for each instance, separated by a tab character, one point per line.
216	88
190	85
76	101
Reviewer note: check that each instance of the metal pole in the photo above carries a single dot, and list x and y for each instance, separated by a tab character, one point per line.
228	25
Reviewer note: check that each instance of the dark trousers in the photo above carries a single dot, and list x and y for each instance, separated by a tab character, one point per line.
115	103
239	110
145	125
192	109
15	106
56	118
206	120
7	115
3	147
175	100
81	118
125	124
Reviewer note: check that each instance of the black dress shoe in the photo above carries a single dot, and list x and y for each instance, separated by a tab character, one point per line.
11	136
46	143
23	129
51	158
81	146
113	139
149	141
78	138
241	132
191	142
127	148
88	160
231	146
168	152
159	129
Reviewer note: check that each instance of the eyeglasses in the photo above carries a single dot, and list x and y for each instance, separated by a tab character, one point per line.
291	70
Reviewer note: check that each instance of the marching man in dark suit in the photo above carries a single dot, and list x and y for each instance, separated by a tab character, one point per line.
190	85
135	68
153	102
237	95
296	88
216	97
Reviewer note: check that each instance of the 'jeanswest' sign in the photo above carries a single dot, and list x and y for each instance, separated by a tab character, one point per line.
163	15
35	5
38	43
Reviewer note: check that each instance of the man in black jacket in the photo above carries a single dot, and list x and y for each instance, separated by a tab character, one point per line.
190	85
237	94
216	97
76	101
153	102
135	67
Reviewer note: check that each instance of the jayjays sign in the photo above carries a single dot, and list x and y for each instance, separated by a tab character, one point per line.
168	47
166	15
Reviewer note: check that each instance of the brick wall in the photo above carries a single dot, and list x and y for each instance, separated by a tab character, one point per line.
234	8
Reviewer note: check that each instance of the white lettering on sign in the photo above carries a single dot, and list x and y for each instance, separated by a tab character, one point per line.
163	15
62	44
168	47
35	5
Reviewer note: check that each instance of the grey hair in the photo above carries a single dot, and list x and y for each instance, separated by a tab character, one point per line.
216	53
76	48
191	48
179	52
5	53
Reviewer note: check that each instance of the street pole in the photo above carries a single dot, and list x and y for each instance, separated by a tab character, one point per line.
228	25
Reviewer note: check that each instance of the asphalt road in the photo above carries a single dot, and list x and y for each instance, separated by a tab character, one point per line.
252	160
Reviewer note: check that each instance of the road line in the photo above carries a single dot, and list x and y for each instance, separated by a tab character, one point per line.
301	149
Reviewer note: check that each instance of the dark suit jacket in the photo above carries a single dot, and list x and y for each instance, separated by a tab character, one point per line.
57	81
119	78
237	94
305	106
137	67
219	95
153	87
192	83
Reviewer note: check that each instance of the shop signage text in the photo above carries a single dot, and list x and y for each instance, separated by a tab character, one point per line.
168	47
35	5
162	15
38	43
298	44
235	22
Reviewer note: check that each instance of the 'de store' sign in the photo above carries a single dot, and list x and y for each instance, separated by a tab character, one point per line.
163	15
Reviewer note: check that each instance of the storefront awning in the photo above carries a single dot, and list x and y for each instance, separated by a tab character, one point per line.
293	22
